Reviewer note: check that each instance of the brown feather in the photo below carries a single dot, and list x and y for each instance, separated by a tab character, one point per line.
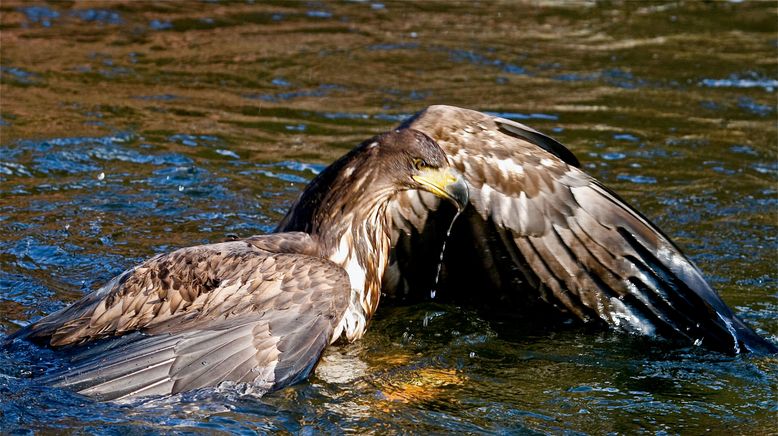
575	243
258	311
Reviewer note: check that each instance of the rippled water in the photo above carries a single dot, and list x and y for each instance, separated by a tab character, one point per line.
132	128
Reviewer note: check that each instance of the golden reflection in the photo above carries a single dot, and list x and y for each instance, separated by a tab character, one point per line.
422	385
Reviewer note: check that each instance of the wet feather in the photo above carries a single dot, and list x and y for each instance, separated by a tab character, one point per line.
575	244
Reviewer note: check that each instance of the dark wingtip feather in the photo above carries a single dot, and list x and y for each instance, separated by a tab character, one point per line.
545	142
750	341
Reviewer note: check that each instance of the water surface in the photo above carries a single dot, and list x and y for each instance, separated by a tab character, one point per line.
132	128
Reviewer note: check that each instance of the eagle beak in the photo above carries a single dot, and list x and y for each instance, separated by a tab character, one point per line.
445	183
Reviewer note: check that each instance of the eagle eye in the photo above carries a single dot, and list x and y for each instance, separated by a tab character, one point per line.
419	164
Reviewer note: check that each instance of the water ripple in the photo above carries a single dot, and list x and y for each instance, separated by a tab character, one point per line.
748	80
40	14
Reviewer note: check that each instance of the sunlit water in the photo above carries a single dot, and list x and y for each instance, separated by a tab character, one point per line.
130	129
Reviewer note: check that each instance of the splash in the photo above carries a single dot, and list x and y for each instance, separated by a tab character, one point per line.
731	331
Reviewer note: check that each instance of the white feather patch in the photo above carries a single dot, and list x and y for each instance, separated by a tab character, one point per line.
509	166
625	319
486	200
523	210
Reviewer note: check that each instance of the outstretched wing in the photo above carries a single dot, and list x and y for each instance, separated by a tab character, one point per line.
200	316
541	227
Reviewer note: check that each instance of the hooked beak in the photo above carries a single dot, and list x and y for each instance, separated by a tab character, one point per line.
445	183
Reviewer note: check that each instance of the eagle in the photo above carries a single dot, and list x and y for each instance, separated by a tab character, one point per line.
255	313
535	235
542	239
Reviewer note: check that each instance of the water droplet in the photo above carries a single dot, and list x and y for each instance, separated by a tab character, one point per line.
180	188
472	354
433	291
101	176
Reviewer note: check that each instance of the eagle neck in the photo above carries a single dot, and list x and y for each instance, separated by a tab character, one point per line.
345	210
356	237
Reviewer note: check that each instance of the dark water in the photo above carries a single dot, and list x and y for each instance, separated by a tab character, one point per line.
133	128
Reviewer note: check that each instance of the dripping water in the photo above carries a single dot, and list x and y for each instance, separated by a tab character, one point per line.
433	291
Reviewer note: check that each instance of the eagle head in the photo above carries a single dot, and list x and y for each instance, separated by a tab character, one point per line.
366	178
409	159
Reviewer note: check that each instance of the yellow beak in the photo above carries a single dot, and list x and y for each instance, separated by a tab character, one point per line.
445	183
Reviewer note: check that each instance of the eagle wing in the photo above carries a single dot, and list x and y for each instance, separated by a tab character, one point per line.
541	227
256	311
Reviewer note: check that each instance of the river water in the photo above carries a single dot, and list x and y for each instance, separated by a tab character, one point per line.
133	128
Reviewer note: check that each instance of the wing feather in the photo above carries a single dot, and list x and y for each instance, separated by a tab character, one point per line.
567	239
243	314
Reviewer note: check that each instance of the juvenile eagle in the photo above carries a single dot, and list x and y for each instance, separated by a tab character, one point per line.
260	310
540	236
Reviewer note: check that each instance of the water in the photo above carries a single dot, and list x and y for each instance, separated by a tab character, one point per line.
129	129
434	291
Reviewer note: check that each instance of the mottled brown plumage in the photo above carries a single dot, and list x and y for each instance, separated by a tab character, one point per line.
258	311
333	208
543	237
